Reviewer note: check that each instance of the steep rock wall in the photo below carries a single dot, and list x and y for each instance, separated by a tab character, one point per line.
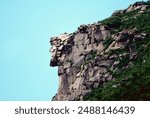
87	58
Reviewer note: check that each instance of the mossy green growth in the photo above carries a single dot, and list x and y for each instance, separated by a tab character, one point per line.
107	42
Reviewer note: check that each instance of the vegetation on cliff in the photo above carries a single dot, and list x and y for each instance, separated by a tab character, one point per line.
131	83
107	60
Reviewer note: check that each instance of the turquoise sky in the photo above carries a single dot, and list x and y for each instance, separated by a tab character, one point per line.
25	29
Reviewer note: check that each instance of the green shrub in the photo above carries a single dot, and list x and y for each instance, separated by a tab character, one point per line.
112	22
107	42
134	82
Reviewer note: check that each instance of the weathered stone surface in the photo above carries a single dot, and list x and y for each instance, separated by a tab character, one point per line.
83	61
137	6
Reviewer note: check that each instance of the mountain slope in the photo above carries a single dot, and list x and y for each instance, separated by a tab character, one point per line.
108	60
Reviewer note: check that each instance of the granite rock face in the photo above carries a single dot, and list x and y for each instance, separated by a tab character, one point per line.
141	6
86	58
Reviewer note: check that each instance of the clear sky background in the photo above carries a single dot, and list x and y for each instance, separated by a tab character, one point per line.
25	29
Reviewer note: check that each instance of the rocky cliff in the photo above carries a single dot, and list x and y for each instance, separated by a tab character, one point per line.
92	60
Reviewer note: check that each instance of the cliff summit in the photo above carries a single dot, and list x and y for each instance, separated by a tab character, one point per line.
107	60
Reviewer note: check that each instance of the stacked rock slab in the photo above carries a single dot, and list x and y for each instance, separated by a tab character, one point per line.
71	52
84	61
